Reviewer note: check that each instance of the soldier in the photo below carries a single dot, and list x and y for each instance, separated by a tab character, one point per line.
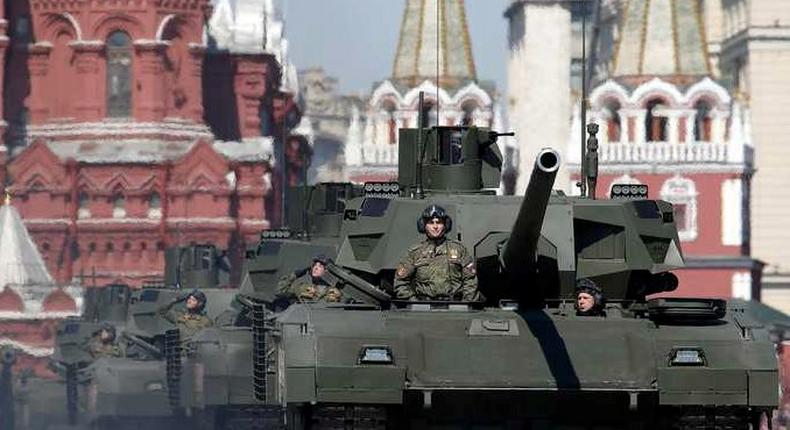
589	298
103	343
310	284
191	321
437	268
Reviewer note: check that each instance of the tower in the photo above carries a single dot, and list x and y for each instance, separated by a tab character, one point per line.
754	61
434	55
539	81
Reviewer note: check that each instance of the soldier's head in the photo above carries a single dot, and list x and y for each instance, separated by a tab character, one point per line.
589	298
107	332
318	268
434	222
196	301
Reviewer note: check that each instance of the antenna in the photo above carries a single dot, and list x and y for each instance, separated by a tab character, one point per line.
419	192
583	167
439	5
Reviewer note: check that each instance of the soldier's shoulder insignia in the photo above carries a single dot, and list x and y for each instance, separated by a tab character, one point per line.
401	272
470	268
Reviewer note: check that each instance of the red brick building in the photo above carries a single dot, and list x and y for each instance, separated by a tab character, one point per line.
127	129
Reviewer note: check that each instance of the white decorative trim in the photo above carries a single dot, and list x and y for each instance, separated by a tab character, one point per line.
429	88
663	152
708	86
606	89
472	91
120	127
63	221
385	89
96	43
70	18
150	43
200	220
656	85
93	221
616	169
162	24
35	351
680	190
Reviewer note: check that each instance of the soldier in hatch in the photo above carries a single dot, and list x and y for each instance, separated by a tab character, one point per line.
191	321
589	298
103	343
437	268
310	284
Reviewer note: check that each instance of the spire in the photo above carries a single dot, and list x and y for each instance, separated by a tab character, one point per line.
20	262
416	56
661	38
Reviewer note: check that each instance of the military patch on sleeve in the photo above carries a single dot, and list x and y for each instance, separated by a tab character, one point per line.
470	268
402	272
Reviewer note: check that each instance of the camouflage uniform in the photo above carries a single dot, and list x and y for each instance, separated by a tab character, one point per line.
188	322
98	349
304	287
437	270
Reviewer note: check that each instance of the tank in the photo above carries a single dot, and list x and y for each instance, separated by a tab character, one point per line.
523	357
139	388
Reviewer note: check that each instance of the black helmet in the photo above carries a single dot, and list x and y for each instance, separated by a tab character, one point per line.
321	258
200	297
434	211
109	328
585	285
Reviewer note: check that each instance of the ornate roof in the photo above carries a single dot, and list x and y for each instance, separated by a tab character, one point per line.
661	38
20	262
252	27
418	50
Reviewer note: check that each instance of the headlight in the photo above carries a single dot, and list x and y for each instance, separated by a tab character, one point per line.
687	357
375	355
154	386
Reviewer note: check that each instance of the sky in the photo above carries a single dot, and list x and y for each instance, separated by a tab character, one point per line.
355	40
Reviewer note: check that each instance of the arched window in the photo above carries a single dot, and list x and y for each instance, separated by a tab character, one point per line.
119	206
611	112
682	193
392	124
154	205
83	201
655	125
702	121
119	76
429	114
468	116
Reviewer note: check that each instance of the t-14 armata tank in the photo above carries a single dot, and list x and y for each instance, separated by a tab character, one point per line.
524	357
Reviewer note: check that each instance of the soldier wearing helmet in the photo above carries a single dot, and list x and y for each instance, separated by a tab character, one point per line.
103	343
311	284
193	319
589	298
437	268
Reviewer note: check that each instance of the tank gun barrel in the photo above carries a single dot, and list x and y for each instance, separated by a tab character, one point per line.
523	242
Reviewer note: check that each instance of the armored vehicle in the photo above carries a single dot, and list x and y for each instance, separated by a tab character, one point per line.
110	391
524	357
